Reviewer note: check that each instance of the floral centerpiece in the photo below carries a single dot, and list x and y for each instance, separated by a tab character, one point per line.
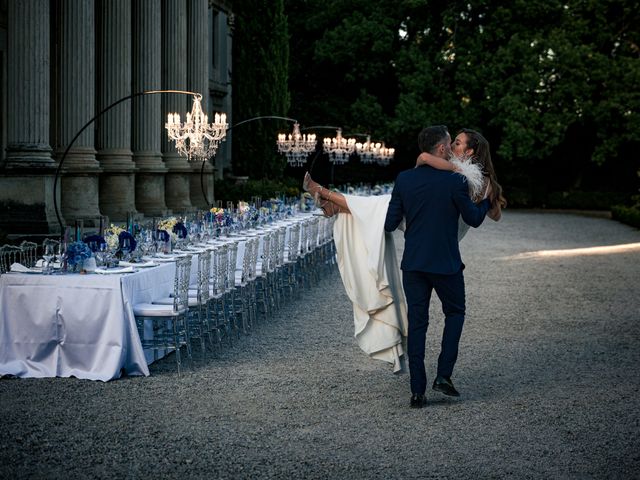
168	225
112	237
124	235
217	215
221	217
77	253
94	242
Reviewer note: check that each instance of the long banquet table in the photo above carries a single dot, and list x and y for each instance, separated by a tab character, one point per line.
76	325
83	325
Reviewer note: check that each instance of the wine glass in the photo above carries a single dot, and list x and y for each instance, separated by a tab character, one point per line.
126	249
101	254
49	254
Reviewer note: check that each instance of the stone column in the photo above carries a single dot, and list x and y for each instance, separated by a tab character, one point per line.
117	182
26	180
75	106
198	81
174	77
148	122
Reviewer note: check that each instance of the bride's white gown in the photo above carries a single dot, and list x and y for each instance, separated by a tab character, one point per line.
371	276
370	272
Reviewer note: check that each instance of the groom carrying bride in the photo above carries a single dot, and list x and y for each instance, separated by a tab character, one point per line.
431	201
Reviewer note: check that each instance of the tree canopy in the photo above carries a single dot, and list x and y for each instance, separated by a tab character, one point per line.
552	84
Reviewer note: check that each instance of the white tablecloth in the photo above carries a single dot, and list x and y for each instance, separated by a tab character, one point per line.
76	325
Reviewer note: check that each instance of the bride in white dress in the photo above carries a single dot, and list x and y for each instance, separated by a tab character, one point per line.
366	255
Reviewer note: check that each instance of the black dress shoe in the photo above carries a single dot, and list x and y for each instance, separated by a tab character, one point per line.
417	401
445	385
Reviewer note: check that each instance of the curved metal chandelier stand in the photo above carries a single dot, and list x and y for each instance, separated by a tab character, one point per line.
86	125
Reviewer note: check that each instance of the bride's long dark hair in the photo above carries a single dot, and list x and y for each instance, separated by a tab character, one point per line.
482	156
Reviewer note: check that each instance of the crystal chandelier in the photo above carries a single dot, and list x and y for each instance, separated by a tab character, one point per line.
296	146
339	148
196	139
368	151
385	155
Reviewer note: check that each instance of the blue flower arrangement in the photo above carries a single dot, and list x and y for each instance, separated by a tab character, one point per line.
162	235
180	230
94	240
77	252
132	241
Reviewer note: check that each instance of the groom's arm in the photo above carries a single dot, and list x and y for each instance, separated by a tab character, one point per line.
394	210
473	214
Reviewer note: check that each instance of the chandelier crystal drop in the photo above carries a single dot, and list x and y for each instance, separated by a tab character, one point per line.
196	139
339	148
296	146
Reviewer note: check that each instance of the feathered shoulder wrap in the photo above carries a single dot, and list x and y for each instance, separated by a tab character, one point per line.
473	175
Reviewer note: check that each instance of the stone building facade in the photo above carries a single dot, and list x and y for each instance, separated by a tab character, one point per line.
62	62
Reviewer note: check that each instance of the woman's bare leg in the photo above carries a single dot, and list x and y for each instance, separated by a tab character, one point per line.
333	197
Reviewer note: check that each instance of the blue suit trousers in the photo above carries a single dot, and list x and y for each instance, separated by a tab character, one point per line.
418	287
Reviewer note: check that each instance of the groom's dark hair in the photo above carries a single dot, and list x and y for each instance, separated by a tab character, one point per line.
432	136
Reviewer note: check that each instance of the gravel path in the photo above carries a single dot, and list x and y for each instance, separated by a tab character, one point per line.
548	371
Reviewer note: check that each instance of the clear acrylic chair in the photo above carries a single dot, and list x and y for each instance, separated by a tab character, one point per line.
291	252
198	301
169	322
245	282
220	313
264	298
9	254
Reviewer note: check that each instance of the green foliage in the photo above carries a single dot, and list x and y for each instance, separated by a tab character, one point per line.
629	214
552	84
260	84
227	190
585	200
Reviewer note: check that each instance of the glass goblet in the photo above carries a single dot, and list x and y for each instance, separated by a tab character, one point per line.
48	256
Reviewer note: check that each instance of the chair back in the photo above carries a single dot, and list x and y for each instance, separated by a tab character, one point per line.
294	242
248	268
220	267
266	252
9	254
204	270
305	236
231	266
29	255
313	234
181	284
282	238
50	241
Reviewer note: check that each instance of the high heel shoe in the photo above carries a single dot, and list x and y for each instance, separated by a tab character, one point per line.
308	185
306	181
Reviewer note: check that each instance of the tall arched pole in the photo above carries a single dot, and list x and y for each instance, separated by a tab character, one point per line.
86	125
263	117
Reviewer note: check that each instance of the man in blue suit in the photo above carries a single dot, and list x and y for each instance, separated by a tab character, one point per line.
431	201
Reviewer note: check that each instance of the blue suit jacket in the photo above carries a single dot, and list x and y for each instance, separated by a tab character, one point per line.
431	200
